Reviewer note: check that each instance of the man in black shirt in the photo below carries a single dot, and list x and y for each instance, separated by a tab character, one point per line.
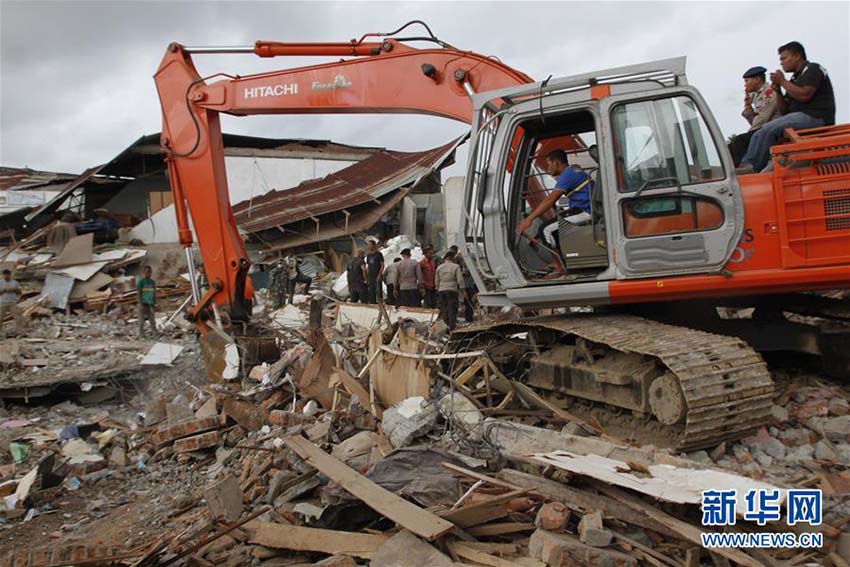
374	271
808	102
356	275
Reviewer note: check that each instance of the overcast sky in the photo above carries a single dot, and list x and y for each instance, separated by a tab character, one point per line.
76	86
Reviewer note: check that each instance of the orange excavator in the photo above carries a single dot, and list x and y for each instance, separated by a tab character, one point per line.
657	302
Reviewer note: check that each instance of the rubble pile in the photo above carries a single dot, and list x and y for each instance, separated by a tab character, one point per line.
365	440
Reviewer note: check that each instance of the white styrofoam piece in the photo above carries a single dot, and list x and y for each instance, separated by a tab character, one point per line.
162	353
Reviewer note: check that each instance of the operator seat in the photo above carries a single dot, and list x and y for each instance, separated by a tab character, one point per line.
580	248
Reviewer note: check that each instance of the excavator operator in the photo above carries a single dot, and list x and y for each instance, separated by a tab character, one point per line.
571	193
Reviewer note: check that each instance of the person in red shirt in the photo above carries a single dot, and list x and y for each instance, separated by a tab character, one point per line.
429	270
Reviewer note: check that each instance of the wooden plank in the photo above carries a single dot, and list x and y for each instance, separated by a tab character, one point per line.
495	548
353	387
419	521
299	538
416	356
534	398
395	378
662	559
481	477
314	379
465	551
481	512
470	371
683	529
500	528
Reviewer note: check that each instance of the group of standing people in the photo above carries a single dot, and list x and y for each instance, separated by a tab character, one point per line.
412	284
805	100
284	276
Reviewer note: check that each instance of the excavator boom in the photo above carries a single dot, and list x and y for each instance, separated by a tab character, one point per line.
382	77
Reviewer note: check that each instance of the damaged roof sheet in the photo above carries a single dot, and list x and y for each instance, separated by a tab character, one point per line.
14	179
365	181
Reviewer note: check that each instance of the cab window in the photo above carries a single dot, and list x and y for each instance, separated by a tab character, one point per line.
653	216
663	142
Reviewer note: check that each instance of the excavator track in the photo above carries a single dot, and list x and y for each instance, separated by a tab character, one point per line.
726	386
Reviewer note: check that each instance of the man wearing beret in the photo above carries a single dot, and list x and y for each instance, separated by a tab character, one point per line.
808	101
760	107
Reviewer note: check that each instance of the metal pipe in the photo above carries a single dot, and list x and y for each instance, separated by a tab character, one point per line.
190	261
468	88
219	49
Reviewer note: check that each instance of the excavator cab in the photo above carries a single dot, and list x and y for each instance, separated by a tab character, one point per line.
665	200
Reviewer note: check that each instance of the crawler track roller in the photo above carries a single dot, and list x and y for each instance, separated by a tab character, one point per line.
646	381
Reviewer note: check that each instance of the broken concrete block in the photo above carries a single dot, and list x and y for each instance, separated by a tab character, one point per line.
276	485
197	442
779	413
207	409
801	454
248	415
310	512
118	456
404	549
355	448
224	499
592	532
824	451
552	516
765	442
563	550
796	437
178	410
409	419
839	407
457	408
155	411
836	429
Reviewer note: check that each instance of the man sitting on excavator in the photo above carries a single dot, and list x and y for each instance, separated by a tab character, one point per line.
571	193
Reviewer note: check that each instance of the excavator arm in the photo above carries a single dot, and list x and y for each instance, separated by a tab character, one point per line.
381	77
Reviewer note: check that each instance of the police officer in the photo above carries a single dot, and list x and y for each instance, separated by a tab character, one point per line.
760	107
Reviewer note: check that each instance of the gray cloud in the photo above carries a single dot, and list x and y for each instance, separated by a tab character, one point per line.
76	87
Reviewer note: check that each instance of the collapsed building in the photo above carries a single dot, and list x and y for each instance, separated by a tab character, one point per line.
385	190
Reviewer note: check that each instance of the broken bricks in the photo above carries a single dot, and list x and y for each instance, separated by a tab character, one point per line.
172	432
564	550
197	442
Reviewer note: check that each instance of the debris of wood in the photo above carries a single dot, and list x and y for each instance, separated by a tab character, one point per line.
300	538
419	521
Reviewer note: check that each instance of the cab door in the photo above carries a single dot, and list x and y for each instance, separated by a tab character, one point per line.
672	189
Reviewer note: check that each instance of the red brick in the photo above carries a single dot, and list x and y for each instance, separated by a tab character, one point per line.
283	418
553	516
196	442
246	414
82	469
166	434
564	550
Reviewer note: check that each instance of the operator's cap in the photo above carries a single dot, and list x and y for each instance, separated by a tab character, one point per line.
756	71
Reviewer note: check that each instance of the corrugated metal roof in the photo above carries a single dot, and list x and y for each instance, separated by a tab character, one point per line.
14	179
355	185
144	156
